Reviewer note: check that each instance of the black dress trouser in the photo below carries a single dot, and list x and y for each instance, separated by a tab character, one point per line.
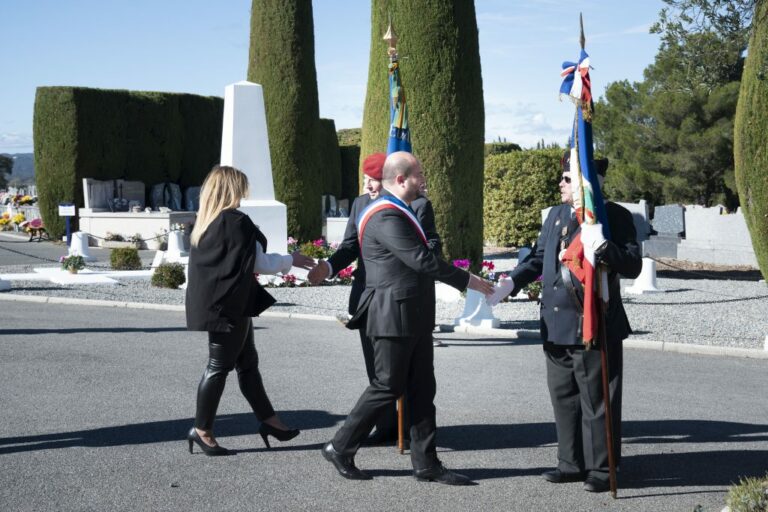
387	422
574	378
227	351
400	365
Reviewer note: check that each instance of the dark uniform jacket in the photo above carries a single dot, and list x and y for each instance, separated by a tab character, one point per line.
349	249
561	311
399	274
221	286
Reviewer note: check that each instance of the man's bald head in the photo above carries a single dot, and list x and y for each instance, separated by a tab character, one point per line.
400	163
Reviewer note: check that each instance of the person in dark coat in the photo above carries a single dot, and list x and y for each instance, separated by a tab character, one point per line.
574	373
399	269
222	296
349	251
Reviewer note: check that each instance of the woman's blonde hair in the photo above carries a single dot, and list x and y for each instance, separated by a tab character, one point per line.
223	189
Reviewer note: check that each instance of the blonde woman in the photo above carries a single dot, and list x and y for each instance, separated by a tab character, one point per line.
223	295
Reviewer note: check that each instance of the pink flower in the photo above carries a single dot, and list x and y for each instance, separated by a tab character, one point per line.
461	264
292	241
319	242
489	266
334	245
289	279
346	273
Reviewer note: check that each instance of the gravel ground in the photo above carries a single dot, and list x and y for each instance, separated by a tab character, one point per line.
699	311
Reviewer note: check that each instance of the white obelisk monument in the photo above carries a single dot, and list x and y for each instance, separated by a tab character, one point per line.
245	145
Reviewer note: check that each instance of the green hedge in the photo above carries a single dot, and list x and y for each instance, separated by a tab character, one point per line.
152	137
750	128
499	148
349	148
330	158
518	186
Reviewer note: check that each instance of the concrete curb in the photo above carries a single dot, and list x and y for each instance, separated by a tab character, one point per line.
663	346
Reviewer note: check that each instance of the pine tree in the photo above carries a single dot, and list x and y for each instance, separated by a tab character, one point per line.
282	60
440	69
751	125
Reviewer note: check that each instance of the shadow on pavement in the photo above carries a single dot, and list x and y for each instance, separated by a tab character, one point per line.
76	330
162	431
704	468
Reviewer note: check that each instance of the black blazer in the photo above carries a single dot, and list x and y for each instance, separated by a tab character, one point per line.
221	286
399	274
560	313
349	249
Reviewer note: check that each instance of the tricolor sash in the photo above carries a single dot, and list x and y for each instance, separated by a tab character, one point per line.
387	203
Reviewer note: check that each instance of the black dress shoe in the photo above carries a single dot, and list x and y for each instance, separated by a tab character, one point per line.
595	484
442	475
344	464
560	477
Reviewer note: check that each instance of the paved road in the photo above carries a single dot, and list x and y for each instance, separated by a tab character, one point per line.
96	402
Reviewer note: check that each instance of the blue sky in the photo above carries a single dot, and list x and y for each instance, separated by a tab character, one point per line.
199	47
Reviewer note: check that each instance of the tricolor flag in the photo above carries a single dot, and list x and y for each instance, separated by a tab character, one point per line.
587	197
399	133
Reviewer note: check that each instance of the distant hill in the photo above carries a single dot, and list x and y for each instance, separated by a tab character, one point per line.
23	167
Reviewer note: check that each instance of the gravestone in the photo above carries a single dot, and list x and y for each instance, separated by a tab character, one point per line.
714	236
669	224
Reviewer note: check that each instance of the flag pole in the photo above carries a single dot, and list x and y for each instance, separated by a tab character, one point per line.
391	38
603	340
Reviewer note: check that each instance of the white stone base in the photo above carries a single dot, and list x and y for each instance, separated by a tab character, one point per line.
477	312
272	219
646	281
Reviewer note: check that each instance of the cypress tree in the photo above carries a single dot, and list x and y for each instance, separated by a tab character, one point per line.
330	158
282	60
751	125
440	69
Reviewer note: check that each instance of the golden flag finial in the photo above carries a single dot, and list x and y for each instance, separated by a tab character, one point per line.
391	38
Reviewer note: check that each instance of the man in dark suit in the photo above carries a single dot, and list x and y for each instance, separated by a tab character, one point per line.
573	372
395	308
349	251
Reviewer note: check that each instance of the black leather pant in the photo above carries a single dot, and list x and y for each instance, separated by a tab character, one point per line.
228	350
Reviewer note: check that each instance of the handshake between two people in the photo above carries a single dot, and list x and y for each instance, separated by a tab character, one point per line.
322	271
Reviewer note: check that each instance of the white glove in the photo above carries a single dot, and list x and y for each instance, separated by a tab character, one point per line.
592	236
504	288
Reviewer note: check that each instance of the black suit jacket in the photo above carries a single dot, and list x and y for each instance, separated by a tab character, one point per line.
560	313
221	286
349	249
400	272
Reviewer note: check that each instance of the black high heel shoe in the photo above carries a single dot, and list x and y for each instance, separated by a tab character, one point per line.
194	437
281	435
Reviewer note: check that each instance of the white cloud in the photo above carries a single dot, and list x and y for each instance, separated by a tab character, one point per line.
15	142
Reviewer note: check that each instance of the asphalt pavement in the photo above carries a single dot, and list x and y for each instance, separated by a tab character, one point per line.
96	403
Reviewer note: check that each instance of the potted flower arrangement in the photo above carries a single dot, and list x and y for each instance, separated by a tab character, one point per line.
5	220
72	263
18	219
534	290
